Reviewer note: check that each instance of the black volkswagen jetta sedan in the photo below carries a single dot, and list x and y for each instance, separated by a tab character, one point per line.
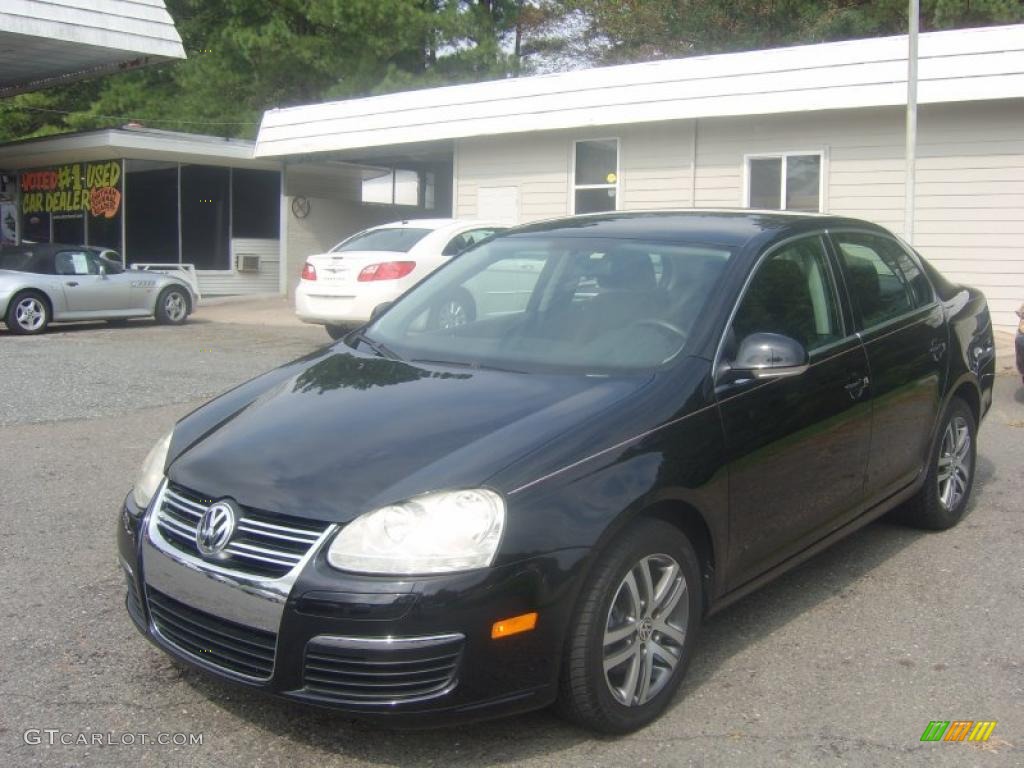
644	417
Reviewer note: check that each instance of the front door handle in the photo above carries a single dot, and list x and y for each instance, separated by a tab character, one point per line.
72	283
857	386
937	348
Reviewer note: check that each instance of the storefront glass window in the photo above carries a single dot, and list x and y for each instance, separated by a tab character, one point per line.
205	217
151	211
256	204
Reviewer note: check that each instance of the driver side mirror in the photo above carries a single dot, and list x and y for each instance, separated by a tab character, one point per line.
769	356
379	310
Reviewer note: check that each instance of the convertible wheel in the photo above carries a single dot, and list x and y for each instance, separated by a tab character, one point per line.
633	630
28	313
172	306
942	500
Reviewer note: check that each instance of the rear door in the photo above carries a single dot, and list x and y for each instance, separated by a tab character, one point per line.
797	447
904	332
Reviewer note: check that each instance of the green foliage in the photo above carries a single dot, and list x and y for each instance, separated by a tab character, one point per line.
245	56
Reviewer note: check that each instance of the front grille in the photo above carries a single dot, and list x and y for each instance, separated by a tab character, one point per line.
228	645
386	672
264	544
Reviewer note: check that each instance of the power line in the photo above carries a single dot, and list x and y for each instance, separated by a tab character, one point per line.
125	118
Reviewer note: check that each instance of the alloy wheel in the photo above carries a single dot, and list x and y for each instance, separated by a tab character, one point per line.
452	315
954	471
645	630
175	307
30	313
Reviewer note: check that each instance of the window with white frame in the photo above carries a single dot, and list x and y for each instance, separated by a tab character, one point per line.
788	181
595	175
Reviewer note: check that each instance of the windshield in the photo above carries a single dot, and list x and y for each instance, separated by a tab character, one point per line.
399	239
528	302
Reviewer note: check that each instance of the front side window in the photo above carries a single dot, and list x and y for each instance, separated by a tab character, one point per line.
396	239
884	281
792	294
786	182
572	304
596	181
76	263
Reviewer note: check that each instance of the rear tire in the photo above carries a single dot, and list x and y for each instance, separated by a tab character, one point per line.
172	306
631	637
942	500
336	331
28	313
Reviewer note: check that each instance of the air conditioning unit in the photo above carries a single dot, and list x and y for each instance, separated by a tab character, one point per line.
248	262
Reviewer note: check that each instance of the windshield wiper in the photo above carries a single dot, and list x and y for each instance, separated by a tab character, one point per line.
378	349
460	364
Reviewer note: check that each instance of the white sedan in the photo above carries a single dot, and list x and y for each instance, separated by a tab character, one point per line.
342	287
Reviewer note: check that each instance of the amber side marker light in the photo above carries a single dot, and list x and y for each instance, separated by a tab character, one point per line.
514	626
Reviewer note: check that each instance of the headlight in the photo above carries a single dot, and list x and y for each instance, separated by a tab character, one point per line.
152	473
436	533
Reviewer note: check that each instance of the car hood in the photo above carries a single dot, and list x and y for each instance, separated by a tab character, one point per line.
340	433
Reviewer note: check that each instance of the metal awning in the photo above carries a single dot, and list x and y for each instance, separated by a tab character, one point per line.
46	43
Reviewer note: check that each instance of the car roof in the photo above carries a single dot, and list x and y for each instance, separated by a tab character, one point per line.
44	249
728	228
432	224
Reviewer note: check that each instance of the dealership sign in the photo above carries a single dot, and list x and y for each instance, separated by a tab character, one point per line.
73	188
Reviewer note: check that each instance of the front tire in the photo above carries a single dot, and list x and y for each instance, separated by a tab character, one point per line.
172	306
336	331
633	630
942	500
28	313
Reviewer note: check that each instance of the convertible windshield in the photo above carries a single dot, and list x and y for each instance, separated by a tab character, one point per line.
557	303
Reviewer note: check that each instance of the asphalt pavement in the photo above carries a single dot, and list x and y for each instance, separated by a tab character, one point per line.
843	661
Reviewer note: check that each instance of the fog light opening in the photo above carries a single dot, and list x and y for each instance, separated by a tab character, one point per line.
513	626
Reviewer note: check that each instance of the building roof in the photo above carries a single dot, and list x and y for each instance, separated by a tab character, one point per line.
49	42
139	143
958	65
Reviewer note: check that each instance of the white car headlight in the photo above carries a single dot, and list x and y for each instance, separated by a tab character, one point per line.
436	533
152	472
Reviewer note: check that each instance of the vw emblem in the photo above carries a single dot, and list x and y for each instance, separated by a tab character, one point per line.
216	528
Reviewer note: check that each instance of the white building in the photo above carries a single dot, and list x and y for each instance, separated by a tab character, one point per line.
817	127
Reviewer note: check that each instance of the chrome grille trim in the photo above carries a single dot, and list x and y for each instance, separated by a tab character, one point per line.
381	671
243	651
258	547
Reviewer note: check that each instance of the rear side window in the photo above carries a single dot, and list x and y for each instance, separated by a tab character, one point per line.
398	239
885	282
466	240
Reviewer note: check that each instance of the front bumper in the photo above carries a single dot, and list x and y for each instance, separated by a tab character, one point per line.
415	652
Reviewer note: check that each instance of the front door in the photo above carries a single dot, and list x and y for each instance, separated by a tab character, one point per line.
797	447
85	289
907	346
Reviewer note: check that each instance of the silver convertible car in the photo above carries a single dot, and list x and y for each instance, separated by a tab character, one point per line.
44	283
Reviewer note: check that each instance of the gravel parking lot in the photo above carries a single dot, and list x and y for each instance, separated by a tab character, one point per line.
843	661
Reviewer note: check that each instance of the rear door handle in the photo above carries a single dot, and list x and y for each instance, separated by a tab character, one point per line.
937	348
72	283
857	386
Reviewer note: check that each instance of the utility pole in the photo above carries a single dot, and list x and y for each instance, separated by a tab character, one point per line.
911	155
